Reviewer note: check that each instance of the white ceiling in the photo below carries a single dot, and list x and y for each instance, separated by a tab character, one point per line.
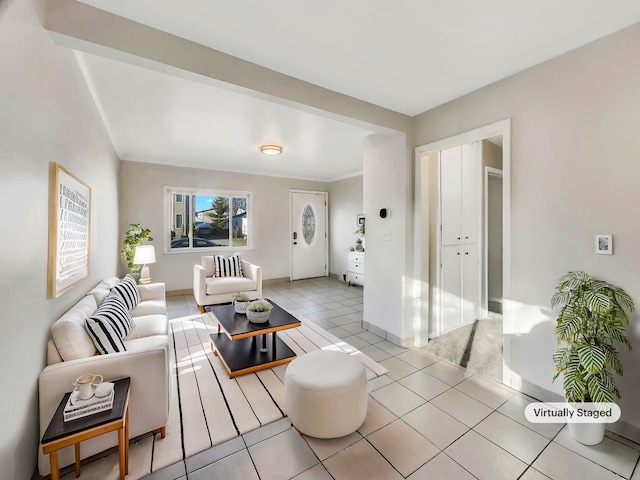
405	56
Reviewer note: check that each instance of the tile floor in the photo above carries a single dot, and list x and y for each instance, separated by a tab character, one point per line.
427	419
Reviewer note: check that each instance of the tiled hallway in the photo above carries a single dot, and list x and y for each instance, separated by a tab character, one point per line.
427	419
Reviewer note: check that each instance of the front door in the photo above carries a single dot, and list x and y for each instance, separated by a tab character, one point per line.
308	234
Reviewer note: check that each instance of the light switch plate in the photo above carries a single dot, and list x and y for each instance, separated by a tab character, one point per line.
386	235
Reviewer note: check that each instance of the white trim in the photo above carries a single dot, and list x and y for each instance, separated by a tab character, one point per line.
326	223
488	171
421	269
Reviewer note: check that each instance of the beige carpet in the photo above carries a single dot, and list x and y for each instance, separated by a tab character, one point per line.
476	347
210	408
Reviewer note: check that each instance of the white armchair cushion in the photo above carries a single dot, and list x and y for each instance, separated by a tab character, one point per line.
109	325
216	285
209	266
127	290
70	334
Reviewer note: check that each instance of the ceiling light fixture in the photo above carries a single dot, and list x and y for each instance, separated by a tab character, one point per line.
271	149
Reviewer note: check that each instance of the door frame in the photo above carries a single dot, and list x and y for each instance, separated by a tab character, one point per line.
488	172
422	286
293	191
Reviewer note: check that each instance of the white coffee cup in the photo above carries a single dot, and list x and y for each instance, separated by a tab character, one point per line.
85	383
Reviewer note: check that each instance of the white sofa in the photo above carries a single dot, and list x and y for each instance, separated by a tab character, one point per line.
71	353
211	290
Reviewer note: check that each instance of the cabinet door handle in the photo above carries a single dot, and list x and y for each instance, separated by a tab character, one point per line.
467	238
458	238
458	253
466	253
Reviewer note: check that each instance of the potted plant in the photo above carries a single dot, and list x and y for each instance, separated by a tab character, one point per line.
240	302
360	240
259	311
134	236
592	318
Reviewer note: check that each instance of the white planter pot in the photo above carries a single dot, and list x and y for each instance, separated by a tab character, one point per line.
257	317
240	307
587	433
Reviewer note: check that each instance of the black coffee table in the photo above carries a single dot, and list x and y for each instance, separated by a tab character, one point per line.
238	346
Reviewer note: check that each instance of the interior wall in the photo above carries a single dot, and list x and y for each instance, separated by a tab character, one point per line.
46	115
141	201
386	184
345	203
574	175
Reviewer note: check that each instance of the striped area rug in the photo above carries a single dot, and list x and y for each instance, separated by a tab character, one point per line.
208	407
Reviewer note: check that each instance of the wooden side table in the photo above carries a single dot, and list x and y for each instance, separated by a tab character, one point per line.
61	434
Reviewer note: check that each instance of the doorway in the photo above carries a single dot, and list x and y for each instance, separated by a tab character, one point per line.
429	285
309	245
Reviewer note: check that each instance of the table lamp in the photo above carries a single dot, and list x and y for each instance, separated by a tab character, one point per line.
145	254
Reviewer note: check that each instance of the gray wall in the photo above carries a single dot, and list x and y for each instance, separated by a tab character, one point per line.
575	174
345	203
46	115
141	201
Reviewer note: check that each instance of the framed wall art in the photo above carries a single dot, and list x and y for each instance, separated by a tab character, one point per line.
604	244
69	230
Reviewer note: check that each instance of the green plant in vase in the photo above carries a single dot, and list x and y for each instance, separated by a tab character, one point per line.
592	318
240	302
134	236
258	311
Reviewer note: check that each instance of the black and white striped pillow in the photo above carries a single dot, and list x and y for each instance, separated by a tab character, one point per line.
127	290
109	325
228	267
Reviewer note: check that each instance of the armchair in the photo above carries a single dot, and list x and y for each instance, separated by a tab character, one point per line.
211	290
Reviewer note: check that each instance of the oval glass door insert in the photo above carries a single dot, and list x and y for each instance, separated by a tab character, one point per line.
308	224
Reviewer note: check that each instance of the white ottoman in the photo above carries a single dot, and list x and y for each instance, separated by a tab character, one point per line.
325	394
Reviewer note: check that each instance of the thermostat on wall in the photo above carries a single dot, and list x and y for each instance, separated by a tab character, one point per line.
384	212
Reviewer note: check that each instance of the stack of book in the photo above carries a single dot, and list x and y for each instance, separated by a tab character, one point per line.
77	408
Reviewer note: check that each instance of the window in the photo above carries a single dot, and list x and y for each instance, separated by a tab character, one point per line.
207	219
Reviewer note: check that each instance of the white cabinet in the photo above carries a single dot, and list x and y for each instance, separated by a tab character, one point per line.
460	214
355	268
460	187
460	287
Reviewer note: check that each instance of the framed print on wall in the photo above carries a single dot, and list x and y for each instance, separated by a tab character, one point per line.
604	244
69	230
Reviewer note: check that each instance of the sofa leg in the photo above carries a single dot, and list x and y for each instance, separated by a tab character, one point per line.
201	308
161	431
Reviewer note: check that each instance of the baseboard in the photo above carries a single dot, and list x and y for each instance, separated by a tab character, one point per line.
404	343
272	281
174	293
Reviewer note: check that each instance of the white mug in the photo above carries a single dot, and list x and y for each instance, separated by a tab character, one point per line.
84	385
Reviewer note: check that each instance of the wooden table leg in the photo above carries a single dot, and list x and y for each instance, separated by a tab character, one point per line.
121	452
53	461
126	439
77	445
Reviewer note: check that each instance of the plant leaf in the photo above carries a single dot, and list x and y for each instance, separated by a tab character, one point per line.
592	358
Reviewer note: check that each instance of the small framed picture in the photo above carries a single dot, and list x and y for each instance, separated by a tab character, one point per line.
604	244
361	220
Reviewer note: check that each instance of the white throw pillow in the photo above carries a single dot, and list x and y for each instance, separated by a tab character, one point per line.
228	267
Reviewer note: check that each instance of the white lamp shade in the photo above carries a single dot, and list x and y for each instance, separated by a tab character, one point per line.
144	255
